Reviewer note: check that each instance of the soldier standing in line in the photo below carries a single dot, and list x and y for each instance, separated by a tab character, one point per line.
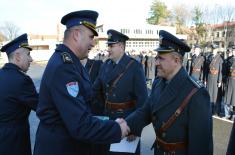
229	98
121	82
197	64
214	79
178	106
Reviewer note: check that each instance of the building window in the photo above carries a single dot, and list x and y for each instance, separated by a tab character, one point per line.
137	31
217	35
223	34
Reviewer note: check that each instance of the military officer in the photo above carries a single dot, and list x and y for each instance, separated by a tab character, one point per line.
67	126
229	97
214	79
178	106
18	97
121	81
197	66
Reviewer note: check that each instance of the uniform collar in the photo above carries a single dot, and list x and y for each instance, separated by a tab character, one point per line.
11	66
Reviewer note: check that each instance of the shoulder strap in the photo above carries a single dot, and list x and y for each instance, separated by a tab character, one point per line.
119	77
92	64
173	117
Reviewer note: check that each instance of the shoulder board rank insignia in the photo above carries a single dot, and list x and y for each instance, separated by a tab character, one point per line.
196	82
66	57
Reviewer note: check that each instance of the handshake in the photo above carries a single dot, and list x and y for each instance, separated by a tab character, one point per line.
125	129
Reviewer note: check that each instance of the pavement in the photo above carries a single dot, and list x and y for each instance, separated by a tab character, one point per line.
221	127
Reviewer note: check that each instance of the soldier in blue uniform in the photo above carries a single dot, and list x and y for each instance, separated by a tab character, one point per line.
18	97
67	126
178	106
121	82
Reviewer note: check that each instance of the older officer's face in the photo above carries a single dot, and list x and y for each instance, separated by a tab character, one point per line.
166	65
115	51
85	41
23	58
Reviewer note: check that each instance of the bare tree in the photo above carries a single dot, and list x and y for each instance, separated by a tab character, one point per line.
227	15
2	37
10	30
181	15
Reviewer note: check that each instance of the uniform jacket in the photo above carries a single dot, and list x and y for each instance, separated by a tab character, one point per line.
93	68
214	79
230	87
18	97
66	124
131	86
194	125
197	67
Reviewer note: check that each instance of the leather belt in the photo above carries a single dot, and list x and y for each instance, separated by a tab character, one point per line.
233	75
214	71
120	106
170	147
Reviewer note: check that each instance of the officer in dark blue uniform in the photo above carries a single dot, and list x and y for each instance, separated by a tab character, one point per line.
18	97
121	82
178	106
67	126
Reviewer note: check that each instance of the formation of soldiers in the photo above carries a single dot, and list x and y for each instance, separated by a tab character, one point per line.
215	69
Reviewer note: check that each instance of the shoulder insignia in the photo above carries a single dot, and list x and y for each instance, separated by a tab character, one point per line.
66	57
108	61
196	82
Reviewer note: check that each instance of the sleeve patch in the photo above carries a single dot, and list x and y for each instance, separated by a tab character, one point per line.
72	88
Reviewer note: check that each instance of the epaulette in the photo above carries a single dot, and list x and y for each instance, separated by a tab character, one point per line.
108	61
196	82
66	58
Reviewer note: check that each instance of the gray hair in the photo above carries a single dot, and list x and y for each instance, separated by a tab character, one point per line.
176	54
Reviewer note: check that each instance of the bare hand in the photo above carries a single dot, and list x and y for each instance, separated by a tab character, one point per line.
124	127
131	138
219	84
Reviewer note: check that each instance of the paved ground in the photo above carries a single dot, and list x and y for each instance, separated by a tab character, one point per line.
221	128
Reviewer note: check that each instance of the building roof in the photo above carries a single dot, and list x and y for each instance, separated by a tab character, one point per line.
229	24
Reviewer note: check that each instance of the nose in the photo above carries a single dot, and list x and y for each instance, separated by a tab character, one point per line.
93	43
30	59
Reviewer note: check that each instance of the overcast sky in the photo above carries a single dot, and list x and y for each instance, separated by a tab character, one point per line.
41	16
